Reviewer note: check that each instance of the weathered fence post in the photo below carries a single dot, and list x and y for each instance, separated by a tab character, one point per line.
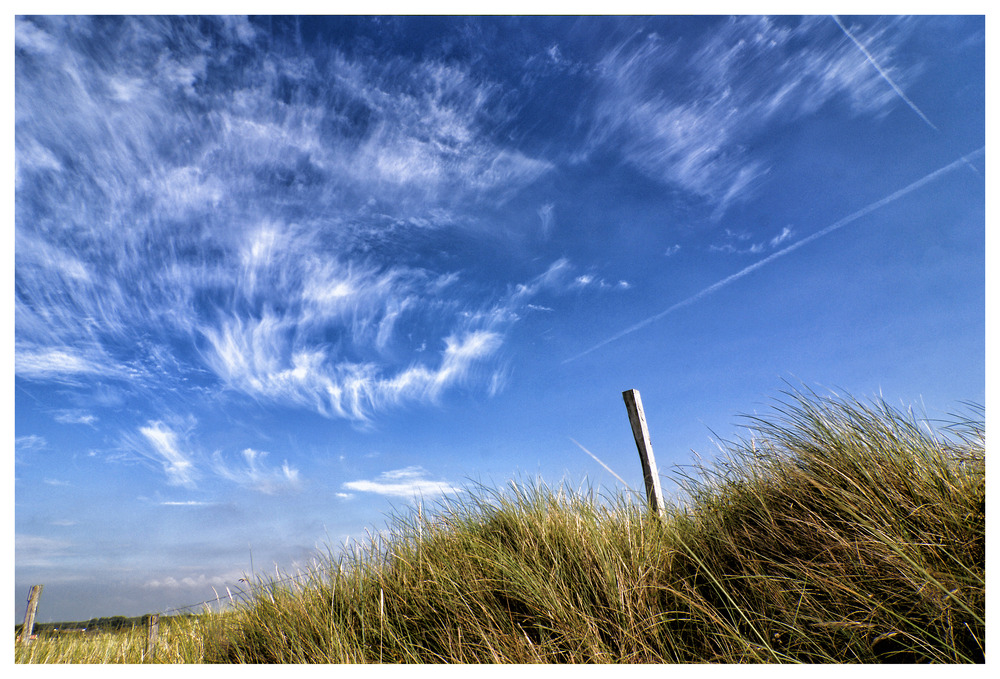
637	418
29	615
153	628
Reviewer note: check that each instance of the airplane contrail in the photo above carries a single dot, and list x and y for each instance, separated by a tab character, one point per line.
964	160
892	84
611	471
882	73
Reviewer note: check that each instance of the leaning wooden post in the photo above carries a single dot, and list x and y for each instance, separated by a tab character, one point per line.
153	627
637	418
29	615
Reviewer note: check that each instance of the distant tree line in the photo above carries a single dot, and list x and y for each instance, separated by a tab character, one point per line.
114	623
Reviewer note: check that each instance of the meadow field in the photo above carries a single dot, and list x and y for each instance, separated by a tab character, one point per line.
836	532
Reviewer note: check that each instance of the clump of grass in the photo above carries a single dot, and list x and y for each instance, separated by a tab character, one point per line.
837	532
854	532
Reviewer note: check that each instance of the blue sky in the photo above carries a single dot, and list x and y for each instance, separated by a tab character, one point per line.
275	278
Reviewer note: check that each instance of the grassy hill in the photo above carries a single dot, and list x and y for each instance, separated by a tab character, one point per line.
837	532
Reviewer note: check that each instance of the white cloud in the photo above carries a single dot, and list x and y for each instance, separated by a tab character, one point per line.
551	279
164	446
29	37
590	281
738	242
74	417
749	75
200	581
265	359
240	28
254	475
427	138
185	190
30	442
410	482
547	215
498	381
33	157
785	234
419	383
286	356
54	364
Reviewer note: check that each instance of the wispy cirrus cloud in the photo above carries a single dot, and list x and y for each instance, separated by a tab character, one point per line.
546	213
74	417
590	281
287	356
172	446
207	256
883	73
411	482
30	442
254	475
552	278
684	112
166	446
32	39
427	138
62	363
744	243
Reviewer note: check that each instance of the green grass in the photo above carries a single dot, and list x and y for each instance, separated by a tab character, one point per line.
837	532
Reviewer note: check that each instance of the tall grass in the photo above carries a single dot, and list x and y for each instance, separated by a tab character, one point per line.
181	639
836	532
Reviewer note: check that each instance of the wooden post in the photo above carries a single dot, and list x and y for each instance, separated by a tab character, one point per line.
153	628
637	418
29	615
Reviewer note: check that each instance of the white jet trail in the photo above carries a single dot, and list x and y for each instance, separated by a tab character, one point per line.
610	470
892	84
884	75
964	160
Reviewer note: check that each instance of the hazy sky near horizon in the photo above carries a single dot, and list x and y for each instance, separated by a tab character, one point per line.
277	277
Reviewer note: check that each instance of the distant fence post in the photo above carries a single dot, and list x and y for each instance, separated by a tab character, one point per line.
29	615
153	628
637	418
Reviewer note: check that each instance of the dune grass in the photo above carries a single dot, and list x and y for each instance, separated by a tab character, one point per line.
838	532
181	639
